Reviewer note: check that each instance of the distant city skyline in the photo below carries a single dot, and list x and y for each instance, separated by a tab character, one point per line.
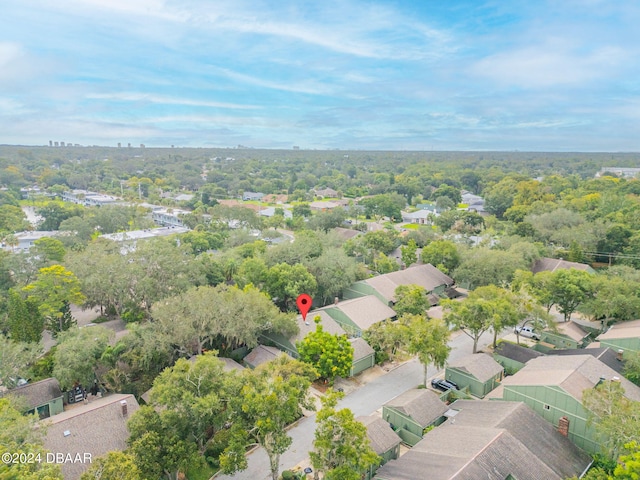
340	74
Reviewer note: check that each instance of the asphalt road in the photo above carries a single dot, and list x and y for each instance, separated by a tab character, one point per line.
362	401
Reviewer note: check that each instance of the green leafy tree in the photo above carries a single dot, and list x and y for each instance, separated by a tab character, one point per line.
54	213
484	266
15	359
613	298
19	435
342	450
389	339
51	249
632	367
383	264
197	317
475	315
334	271
64	322
114	465
272	397
428	340
408	251
628	466
331	355
442	254
569	288
12	219
411	299
78	353
24	320
193	398
615	417
55	287
285	282
158	451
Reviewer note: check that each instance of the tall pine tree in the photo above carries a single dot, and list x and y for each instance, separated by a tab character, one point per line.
24	319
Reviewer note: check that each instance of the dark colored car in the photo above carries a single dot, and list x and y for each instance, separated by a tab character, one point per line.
443	385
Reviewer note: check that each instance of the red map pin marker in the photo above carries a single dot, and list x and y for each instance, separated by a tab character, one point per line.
304	304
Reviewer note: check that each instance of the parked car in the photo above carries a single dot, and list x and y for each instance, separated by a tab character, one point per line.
526	331
444	385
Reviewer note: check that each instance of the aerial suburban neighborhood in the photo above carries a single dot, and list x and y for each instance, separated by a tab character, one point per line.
151	325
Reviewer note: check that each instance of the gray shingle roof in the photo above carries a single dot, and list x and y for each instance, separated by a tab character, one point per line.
574	374
629	329
37	393
365	311
380	434
516	352
361	348
490	440
261	354
328	325
427	276
95	428
479	365
606	355
422	405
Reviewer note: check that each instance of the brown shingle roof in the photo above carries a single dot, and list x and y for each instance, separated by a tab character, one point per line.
622	330
572	330
37	393
261	354
328	325
422	405
490	440
427	276
380	434
479	365
365	311
95	428
361	349
574	374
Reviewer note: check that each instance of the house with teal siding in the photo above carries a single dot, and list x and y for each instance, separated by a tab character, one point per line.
567	335
553	386
479	372
384	441
412	411
513	357
489	440
357	315
384	286
44	397
363	354
623	336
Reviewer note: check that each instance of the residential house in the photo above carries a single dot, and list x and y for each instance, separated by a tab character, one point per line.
230	364
384	441
619	171
88	198
479	372
384	286
546	264
357	315
489	440
169	217
364	356
553	386
88	431
513	357
420	217
346	233
326	193
252	196
322	206
26	240
411	412
261	354
568	335
44	397
606	355
623	336
271	211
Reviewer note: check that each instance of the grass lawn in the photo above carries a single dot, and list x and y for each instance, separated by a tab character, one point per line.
411	226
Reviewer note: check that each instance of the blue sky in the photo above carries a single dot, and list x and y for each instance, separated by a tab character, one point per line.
388	75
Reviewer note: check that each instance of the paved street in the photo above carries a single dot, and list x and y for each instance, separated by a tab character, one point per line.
362	401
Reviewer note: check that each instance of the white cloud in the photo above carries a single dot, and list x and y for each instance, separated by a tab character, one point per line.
160	99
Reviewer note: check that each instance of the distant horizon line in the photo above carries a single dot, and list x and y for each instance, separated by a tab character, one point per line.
301	149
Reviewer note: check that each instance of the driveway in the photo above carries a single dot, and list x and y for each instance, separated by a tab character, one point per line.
363	401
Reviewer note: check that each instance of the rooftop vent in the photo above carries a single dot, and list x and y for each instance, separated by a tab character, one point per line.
66	433
123	405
